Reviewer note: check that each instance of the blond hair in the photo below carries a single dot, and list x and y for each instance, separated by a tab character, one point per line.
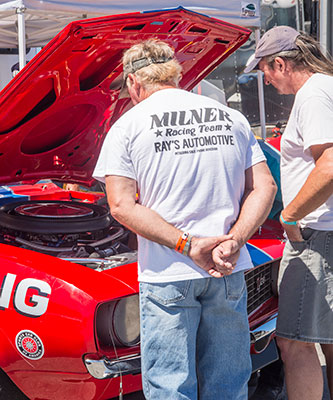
153	63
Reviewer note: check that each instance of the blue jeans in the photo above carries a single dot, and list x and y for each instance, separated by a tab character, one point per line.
195	340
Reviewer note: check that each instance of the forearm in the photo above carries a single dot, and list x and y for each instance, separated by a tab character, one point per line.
259	193
255	208
121	196
315	191
147	223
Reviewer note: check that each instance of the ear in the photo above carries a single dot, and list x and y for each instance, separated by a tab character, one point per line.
133	87
280	64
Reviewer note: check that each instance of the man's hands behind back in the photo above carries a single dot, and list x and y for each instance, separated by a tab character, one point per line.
201	252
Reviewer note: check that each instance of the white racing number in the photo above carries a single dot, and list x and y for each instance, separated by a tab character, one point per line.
33	306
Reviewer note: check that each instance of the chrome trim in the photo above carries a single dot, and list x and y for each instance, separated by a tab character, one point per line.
106	369
102	264
260	337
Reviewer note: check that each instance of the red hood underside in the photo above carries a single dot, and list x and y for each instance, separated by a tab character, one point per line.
55	113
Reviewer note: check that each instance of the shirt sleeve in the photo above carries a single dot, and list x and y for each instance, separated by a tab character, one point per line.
114	158
254	154
316	121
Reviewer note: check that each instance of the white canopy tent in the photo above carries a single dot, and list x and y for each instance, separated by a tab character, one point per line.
33	23
44	18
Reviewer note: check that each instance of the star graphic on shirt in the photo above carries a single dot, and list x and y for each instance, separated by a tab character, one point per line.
158	133
228	127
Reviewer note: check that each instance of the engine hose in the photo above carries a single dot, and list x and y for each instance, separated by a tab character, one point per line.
40	247
107	239
43	248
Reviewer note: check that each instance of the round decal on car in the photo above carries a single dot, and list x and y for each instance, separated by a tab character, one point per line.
30	345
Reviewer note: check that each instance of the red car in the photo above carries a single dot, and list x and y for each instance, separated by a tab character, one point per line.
69	292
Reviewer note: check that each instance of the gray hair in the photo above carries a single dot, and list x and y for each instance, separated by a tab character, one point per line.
308	56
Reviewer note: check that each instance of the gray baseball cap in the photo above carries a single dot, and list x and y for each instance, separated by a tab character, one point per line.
277	39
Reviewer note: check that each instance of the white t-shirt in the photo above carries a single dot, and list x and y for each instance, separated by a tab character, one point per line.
310	123
188	154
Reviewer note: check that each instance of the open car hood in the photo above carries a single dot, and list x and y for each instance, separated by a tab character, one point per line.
55	113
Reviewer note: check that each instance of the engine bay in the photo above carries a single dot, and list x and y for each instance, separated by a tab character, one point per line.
80	232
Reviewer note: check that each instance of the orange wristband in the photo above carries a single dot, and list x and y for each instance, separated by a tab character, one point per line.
182	242
187	246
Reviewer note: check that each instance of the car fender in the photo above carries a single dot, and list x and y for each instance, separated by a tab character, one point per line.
49	303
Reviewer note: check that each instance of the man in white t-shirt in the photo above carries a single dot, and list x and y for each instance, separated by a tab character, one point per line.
294	64
203	189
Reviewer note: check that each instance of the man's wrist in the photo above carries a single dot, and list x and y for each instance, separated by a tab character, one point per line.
286	220
184	243
236	238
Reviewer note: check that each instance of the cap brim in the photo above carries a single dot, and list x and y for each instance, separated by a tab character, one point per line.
252	65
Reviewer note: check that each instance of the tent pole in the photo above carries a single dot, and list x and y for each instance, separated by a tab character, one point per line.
21	36
323	25
261	93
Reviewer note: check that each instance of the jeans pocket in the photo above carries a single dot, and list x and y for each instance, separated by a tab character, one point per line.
168	292
235	286
298	247
309	234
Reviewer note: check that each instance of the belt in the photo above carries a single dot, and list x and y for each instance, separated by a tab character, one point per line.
308	232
